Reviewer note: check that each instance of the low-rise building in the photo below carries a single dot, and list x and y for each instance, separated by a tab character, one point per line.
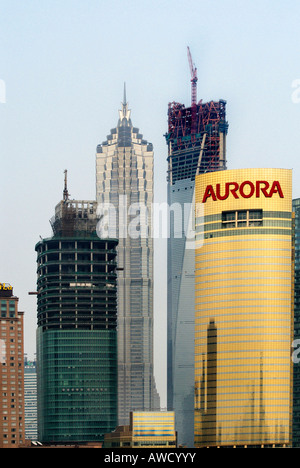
146	429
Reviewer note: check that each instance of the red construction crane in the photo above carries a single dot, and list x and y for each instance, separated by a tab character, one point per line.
194	78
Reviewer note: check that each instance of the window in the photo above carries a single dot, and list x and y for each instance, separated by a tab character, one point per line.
12	309
242	218
3	309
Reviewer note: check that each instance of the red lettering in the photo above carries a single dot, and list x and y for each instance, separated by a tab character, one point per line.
209	192
260	186
252	188
276	188
233	191
263	189
218	192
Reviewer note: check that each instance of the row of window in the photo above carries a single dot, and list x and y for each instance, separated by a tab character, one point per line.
241	232
266	214
242	218
8	309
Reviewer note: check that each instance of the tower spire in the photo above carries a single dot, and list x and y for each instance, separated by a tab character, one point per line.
124	95
124	113
66	193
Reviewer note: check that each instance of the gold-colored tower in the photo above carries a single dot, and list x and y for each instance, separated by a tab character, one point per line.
244	308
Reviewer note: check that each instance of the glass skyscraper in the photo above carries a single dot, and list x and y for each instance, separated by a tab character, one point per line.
76	335
124	182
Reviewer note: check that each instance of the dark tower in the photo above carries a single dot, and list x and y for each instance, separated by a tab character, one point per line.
76	336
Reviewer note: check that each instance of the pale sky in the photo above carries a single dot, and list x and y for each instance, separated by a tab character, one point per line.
62	68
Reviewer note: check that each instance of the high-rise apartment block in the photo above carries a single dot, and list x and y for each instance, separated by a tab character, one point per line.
196	140
12	413
124	185
77	321
244	308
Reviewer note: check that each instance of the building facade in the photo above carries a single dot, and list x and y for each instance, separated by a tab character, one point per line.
124	182
244	308
30	387
296	376
12	411
76	335
196	140
147	429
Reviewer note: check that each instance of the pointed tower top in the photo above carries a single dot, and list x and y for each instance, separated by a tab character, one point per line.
124	113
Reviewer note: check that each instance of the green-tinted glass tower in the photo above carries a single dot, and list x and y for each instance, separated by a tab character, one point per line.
76	335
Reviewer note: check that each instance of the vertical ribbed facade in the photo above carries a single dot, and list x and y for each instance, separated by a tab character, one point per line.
76	335
146	429
30	385
196	140
124	180
296	380
153	429
244	309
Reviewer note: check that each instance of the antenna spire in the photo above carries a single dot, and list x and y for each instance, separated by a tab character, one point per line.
124	113
66	193
124	95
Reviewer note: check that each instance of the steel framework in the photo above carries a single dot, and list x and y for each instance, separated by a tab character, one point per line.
195	129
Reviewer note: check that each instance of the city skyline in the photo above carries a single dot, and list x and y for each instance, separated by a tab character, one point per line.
61	91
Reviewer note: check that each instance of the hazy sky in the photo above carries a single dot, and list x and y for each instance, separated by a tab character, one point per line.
62	68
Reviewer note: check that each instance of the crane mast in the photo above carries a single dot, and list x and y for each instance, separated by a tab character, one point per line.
194	77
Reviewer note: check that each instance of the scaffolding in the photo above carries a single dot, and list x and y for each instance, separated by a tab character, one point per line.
196	139
74	217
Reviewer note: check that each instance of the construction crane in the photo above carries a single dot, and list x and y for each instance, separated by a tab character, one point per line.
194	78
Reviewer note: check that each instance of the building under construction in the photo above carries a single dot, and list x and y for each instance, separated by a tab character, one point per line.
196	140
196	135
77	328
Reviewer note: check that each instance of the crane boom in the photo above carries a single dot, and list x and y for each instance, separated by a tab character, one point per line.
194	77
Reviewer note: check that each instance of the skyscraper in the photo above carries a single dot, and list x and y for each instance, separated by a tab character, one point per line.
76	336
124	181
244	308
196	140
12	407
